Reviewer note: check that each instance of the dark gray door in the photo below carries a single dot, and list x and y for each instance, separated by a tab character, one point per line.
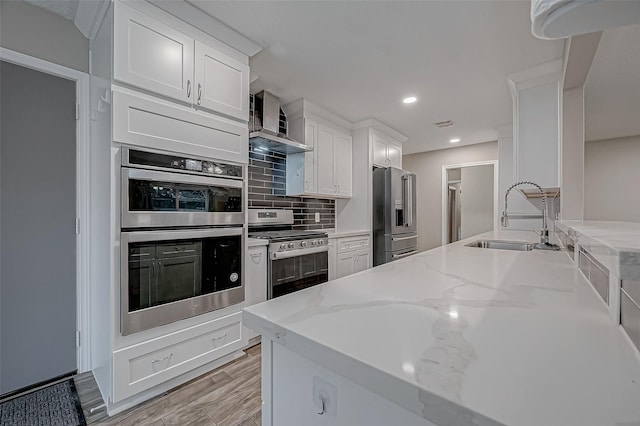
37	227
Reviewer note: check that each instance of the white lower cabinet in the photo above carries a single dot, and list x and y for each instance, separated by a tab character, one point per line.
145	365
352	262
256	280
353	254
332	259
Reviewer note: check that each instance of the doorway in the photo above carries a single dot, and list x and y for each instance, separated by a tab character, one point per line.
469	200
40	264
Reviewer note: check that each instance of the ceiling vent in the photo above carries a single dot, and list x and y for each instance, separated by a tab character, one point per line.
443	124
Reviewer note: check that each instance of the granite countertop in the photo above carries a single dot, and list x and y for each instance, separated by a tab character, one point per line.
614	244
468	336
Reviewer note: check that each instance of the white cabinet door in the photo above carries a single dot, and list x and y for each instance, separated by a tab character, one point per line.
379	151
362	259
325	161
310	138
342	164
221	83
256	277
394	154
255	280
332	259
151	55
345	264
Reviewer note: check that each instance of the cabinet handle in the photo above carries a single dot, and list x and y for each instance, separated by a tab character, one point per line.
199	93
338	188
162	359
306	184
324	408
219	338
188	88
255	256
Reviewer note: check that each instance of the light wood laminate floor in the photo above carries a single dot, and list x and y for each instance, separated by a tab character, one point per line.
227	396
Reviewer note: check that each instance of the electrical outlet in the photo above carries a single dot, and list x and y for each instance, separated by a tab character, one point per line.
317	217
325	397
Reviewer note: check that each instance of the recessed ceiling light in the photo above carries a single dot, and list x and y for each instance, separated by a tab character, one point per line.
454	140
409	100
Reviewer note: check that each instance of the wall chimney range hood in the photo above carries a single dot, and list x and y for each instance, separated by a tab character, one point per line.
268	126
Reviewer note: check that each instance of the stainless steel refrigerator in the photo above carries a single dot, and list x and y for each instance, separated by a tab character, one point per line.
394	214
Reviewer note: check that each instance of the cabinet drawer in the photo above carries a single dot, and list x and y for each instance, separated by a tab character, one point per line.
597	274
600	280
142	121
353	243
630	317
151	363
632	288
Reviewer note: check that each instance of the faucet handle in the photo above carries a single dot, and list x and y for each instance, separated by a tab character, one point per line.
504	219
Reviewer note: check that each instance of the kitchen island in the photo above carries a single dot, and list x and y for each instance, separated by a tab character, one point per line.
451	336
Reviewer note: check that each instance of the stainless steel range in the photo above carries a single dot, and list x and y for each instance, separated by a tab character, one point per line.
297	259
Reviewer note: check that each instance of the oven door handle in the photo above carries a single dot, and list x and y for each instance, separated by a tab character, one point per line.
155	176
177	234
296	253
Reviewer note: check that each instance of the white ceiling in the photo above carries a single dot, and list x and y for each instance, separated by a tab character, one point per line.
358	59
612	90
65	8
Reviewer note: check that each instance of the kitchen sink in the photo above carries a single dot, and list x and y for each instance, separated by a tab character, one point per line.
502	245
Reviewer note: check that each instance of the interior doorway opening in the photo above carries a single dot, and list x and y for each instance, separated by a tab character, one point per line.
469	200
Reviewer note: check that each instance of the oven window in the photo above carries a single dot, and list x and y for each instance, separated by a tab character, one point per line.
167	271
166	196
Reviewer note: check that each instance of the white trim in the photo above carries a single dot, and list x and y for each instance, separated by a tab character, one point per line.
372	122
445	192
82	191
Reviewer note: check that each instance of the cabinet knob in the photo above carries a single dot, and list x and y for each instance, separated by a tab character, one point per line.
199	93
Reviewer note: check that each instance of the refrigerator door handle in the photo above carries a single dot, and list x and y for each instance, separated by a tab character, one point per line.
407	200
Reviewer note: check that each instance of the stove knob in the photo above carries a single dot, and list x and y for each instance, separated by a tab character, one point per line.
291	245
321	242
283	246
303	244
314	243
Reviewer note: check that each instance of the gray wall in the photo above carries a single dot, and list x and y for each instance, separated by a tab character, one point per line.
37	32
37	226
612	179
428	168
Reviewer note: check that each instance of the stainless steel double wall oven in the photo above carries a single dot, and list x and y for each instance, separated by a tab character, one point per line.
182	237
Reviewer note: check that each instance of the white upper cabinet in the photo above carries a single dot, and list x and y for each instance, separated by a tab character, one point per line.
342	164
325	172
151	55
301	168
394	154
334	163
222	83
386	152
325	156
155	57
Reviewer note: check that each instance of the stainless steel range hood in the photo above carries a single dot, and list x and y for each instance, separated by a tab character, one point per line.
277	143
268	126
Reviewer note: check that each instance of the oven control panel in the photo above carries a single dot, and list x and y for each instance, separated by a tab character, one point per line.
306	244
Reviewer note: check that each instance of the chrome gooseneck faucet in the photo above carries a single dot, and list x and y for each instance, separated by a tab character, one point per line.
544	233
